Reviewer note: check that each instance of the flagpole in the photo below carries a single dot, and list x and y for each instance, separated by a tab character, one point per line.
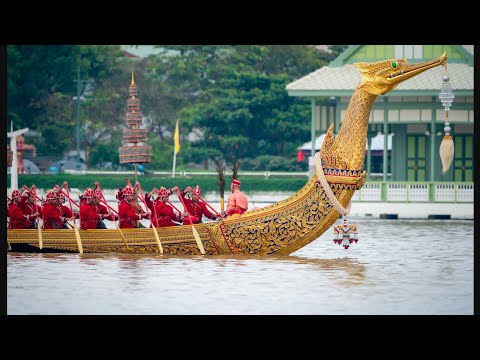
174	162
176	147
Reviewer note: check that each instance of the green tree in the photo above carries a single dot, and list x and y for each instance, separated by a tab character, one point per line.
247	112
40	81
232	96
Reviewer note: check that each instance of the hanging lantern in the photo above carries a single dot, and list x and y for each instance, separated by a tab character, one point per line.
446	147
345	233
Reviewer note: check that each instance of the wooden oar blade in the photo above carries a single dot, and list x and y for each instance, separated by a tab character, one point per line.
40	239
158	239
198	240
79	241
121	234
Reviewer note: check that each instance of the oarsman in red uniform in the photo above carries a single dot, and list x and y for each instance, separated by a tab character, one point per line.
52	217
196	207
102	209
237	201
165	213
18	220
65	211
28	207
25	192
89	217
128	212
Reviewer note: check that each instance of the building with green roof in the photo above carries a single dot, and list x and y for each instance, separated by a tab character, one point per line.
412	111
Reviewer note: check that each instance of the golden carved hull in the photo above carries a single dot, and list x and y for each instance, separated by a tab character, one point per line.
278	229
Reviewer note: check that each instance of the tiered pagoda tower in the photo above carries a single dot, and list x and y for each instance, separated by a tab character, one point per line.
134	151
9	156
21	148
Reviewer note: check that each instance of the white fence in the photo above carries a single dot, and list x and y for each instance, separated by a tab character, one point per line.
415	192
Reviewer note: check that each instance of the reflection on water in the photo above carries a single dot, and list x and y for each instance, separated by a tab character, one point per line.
397	267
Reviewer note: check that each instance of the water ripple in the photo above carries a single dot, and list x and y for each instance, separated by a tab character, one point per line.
398	267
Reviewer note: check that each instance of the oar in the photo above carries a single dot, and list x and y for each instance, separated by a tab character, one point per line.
9	226
9	201
173	206
151	224
73	201
156	219
39	229
108	206
116	225
77	233
195	232
154	203
206	203
33	191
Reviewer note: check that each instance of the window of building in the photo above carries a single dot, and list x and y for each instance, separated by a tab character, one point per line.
409	51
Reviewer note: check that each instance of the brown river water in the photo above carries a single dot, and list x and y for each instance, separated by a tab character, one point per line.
398	267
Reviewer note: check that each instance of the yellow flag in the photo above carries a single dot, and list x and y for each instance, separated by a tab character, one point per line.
176	138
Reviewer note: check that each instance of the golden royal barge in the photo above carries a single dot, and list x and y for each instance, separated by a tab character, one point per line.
278	229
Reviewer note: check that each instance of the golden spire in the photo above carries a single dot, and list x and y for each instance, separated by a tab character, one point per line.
133	80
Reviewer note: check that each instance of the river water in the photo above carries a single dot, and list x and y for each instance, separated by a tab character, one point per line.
397	267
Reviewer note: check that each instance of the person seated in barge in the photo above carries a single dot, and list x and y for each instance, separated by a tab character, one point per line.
164	211
129	213
196	208
19	219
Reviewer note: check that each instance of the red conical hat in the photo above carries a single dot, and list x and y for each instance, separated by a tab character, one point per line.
163	192
51	196
89	193
128	190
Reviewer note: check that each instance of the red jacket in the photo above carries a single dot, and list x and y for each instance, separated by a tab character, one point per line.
29	209
89	217
51	215
197	209
102	209
17	218
127	215
166	215
65	211
164	212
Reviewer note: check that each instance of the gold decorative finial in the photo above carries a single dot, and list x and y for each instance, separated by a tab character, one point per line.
133	80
